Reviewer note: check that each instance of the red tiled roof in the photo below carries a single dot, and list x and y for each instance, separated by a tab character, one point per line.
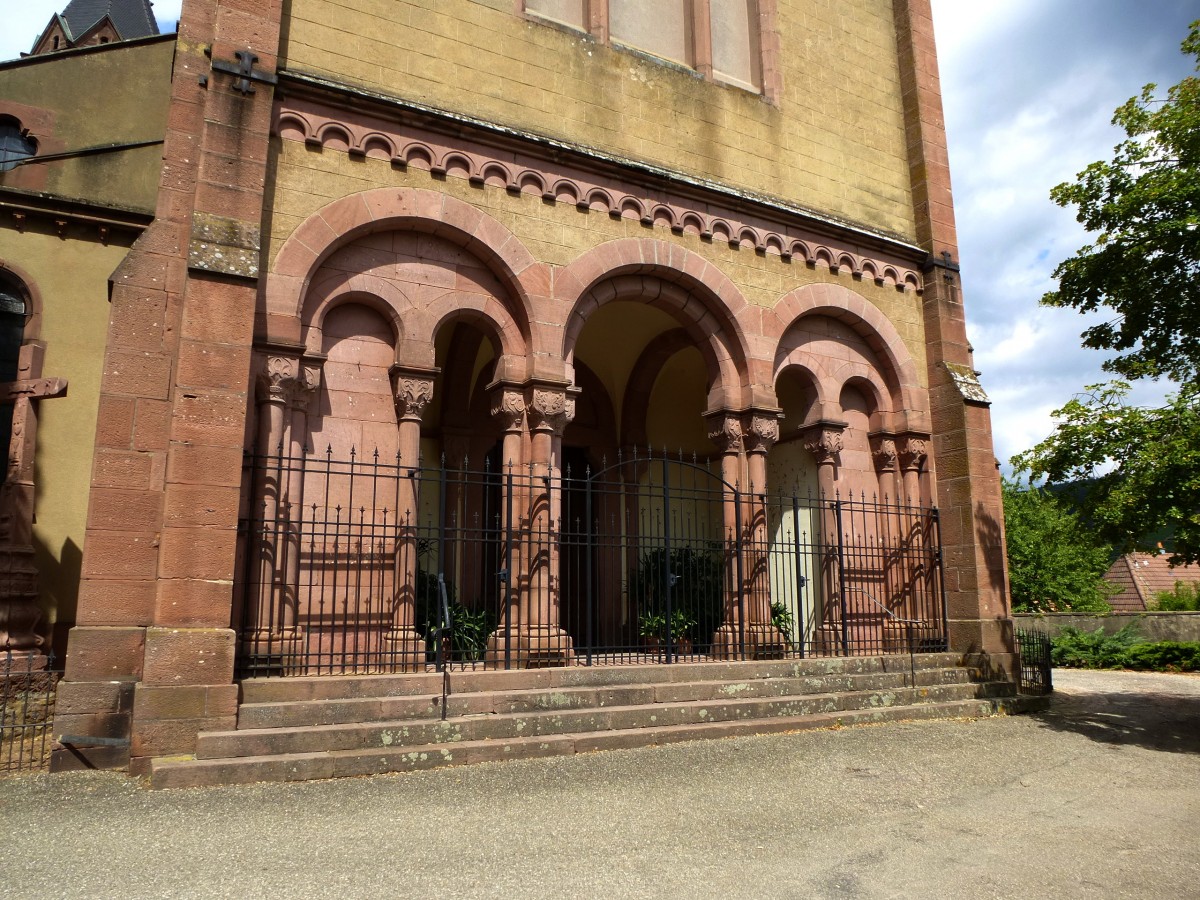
1142	575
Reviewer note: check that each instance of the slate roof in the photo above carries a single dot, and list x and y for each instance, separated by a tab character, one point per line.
1142	575
131	18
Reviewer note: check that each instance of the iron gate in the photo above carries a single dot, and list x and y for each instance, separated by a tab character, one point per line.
650	558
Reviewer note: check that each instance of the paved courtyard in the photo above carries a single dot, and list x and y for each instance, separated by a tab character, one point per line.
1100	797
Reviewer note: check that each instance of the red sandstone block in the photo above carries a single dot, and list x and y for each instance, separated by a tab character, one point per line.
87	698
169	702
115	468
114	422
172	737
102	725
136	319
114	509
179	656
201	505
189	464
105	654
137	372
151	424
219	312
201	553
104	602
205	365
121	554
192	603
208	417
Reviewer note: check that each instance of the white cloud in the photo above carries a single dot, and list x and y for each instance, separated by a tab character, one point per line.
1029	91
24	21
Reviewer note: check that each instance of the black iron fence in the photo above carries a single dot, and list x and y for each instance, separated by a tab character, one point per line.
27	692
347	564
1036	663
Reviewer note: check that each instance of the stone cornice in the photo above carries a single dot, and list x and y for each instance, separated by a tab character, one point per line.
324	114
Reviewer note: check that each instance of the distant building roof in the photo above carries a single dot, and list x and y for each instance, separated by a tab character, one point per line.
1142	575
131	18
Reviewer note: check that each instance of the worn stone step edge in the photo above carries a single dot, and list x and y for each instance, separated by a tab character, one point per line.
255	742
298	713
376	761
334	687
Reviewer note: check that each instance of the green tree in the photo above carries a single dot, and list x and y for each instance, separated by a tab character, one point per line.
1055	563
1142	466
1143	208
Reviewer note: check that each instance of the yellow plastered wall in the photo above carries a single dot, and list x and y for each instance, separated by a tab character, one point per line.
71	280
305	179
117	94
834	141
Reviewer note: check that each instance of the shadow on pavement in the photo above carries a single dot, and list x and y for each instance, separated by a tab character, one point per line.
1167	722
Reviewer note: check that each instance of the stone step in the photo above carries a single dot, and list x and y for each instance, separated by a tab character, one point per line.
505	726
387	708
342	687
303	766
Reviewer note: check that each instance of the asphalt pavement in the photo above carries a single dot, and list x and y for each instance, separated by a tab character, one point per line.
1098	797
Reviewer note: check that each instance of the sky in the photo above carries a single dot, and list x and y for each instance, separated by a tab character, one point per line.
1029	88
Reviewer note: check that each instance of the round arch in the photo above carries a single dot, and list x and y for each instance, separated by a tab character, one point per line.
342	221
681	283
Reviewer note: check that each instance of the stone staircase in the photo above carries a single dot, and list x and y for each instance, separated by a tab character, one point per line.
295	729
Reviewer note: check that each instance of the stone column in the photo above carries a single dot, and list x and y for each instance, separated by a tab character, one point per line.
760	429
508	409
824	441
412	390
885	456
731	640
540	638
269	637
913	454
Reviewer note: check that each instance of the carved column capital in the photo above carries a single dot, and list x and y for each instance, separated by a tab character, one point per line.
508	408
411	393
760	431
725	430
304	387
824	443
884	452
276	377
913	452
550	409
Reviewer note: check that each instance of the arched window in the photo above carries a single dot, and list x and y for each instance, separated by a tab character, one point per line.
13	309
15	145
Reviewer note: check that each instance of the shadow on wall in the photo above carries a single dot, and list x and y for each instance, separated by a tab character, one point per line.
58	579
1166	722
990	534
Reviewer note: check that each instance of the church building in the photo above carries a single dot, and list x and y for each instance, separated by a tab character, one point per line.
526	335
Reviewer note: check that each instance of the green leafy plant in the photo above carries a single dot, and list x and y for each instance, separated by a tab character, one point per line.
1124	649
1054	562
781	618
697	592
1184	598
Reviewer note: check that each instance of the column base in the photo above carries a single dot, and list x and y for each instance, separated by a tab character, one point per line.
537	647
762	641
266	653
405	649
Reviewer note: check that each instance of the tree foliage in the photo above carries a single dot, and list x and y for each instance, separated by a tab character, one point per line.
1055	564
1143	207
1142	465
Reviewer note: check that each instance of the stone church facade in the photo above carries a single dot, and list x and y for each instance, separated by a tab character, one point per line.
499	305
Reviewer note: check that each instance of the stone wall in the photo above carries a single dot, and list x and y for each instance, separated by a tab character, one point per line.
1155	626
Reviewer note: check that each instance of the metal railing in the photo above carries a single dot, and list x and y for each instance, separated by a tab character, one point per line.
353	565
1036	662
27	692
